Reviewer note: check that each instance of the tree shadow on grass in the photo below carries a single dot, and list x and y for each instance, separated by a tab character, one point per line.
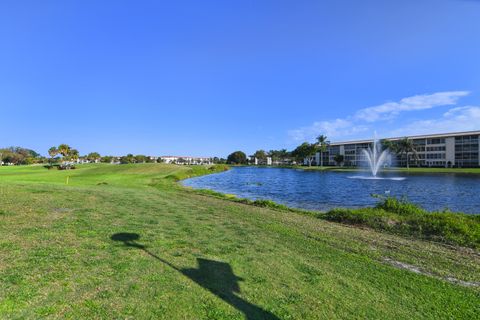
215	276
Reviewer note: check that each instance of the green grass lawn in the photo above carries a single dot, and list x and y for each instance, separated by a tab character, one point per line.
126	241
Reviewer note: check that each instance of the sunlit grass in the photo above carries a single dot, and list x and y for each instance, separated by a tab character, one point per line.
58	258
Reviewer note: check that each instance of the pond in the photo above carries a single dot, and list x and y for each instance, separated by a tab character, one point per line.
315	190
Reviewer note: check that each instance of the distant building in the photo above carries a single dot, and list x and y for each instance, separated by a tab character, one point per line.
283	162
187	160
261	162
459	149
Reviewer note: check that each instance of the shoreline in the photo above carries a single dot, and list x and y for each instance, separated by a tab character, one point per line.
390	215
412	170
278	205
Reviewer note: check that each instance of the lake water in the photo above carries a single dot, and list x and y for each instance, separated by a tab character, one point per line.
315	190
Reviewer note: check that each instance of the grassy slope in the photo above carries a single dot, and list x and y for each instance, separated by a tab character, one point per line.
57	258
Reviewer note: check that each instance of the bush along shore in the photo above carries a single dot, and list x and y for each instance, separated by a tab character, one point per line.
398	216
402	217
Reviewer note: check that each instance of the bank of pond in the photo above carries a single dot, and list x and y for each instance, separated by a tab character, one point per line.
415	205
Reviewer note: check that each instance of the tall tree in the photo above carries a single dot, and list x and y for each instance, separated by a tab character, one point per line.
279	155
106	159
11	157
64	150
129	158
18	155
73	154
237	157
339	158
389	144
407	147
322	145
260	154
52	152
305	151
140	158
93	156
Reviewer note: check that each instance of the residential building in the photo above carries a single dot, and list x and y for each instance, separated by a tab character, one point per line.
261	162
458	149
283	162
187	160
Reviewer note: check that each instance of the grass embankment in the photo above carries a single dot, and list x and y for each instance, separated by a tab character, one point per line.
402	217
391	215
128	242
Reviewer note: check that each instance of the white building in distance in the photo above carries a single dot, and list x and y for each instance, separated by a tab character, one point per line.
456	149
187	160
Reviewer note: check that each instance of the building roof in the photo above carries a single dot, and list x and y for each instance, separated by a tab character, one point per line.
435	135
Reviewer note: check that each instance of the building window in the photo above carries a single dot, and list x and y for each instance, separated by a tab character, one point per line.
436	141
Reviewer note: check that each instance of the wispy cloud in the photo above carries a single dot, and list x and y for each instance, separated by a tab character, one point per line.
456	119
363	118
390	110
337	128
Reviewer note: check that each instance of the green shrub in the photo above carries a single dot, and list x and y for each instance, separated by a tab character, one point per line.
269	204
401	217
219	168
402	206
372	216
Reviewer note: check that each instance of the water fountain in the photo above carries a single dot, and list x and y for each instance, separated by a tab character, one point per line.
376	158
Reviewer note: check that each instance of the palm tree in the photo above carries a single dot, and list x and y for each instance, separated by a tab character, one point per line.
305	151
407	147
389	144
64	150
73	154
322	145
53	151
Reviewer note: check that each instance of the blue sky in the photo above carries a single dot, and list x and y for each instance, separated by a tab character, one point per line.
210	77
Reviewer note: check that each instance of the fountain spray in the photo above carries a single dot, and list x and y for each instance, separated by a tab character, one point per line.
375	156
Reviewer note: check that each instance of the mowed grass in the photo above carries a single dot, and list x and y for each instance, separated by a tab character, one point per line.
127	241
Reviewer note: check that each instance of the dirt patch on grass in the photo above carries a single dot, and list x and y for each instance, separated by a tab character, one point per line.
418	270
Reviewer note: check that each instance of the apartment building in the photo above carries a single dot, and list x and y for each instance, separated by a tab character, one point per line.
458	149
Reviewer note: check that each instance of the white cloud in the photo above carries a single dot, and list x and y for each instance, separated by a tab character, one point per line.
456	119
361	120
390	110
337	128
